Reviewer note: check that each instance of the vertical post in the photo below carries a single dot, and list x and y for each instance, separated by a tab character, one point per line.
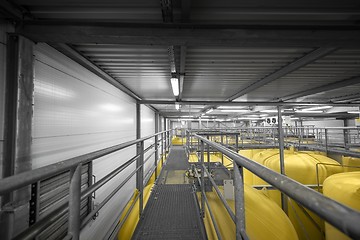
326	141
140	159
208	154
140	175
162	149
239	202
165	139
202	179
74	202
16	131
156	142
346	135
237	142
281	151
222	143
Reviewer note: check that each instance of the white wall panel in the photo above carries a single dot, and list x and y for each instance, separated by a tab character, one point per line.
148	128
76	112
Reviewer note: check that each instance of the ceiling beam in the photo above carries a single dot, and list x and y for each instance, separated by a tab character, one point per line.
181	34
185	10
306	59
324	88
77	57
347	98
14	12
246	103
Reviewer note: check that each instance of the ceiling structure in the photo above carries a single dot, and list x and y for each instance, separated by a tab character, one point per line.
250	54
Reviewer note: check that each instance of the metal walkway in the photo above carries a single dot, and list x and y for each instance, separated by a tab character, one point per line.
172	211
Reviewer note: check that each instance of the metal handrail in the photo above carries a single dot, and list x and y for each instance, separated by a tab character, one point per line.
25	178
340	216
20	180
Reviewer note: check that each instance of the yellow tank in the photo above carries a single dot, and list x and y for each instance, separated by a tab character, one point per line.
264	218
344	188
351	161
300	166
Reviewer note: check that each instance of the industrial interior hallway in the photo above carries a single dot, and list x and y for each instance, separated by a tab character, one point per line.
172	211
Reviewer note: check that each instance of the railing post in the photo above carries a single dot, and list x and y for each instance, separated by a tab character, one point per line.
239	202
156	154
202	179
162	149
284	202
74	202
140	174
326	141
222	143
237	141
208	154
165	142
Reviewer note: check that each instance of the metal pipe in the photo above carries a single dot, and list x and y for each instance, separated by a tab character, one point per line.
74	202
22	179
342	217
239	203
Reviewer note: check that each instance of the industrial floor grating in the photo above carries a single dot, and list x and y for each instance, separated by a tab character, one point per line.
173	171
171	213
177	159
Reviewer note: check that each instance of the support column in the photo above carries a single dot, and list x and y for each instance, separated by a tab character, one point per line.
281	150
165	134
140	159
19	95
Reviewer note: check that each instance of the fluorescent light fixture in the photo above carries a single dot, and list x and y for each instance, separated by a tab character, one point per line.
354	112
210	110
230	107
306	111
294	118
250	118
175	86
234	110
177	106
270	111
316	108
264	115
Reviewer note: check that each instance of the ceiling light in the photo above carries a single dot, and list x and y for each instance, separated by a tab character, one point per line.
316	108
175	86
307	111
250	118
354	112
270	111
230	107
177	106
234	110
210	110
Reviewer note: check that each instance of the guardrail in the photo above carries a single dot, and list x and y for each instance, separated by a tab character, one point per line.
73	165
340	216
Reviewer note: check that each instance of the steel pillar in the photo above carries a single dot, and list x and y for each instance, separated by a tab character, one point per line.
74	203
19	90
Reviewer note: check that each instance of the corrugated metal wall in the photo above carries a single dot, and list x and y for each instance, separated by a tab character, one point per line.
76	112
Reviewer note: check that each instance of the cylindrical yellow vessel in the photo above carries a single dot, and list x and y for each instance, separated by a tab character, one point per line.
304	167
344	188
